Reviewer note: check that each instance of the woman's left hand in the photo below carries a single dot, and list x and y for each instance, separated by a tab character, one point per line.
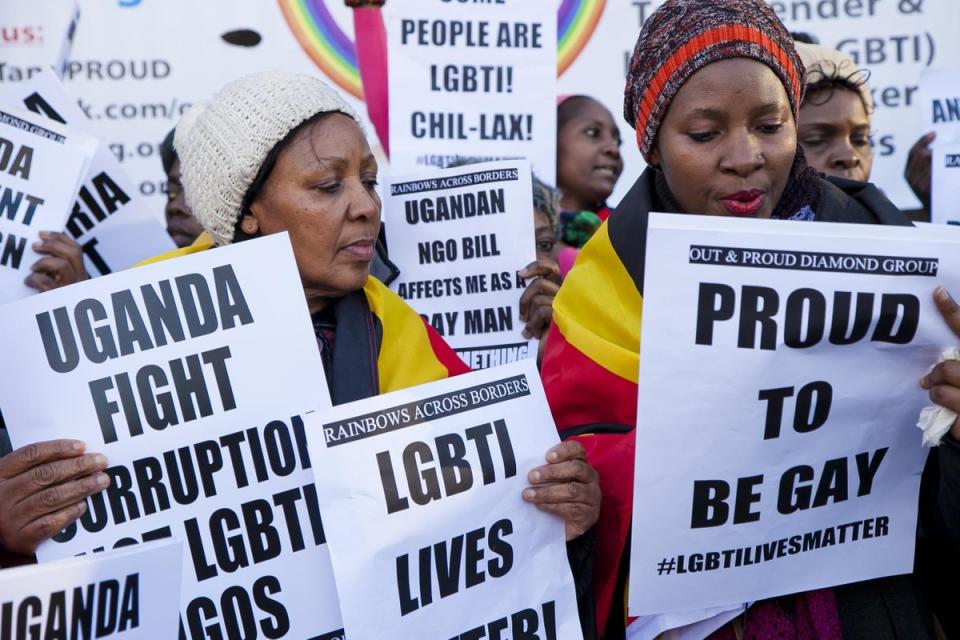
943	382
536	302
61	265
567	486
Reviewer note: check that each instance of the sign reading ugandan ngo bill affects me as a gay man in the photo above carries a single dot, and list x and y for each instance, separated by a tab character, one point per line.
192	377
776	443
460	236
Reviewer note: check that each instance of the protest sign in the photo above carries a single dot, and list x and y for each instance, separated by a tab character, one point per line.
472	80
35	35
131	593
191	376
945	182
41	165
940	103
421	493
778	391
459	237
110	219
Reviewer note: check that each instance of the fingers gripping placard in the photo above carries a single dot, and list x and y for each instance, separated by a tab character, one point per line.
777	397
192	377
459	237
422	504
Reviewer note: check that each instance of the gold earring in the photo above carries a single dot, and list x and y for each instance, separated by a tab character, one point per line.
249	226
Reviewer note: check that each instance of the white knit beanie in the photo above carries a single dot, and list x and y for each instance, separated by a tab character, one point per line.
222	143
823	63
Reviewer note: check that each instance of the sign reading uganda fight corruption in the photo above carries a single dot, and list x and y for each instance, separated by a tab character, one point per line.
110	219
191	376
775	448
41	165
421	493
132	594
472	76
459	237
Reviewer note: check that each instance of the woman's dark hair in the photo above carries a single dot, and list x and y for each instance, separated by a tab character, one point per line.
826	77
168	154
266	168
806	38
570	109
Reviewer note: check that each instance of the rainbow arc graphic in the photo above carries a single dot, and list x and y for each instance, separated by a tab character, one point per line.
335	53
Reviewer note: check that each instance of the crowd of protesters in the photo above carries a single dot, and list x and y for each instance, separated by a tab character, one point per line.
746	120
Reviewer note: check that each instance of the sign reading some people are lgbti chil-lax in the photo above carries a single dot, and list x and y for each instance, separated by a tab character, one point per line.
192	376
471	80
421	492
110	219
131	594
459	237
775	446
41	165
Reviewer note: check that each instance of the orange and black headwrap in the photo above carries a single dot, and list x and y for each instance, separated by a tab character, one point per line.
683	36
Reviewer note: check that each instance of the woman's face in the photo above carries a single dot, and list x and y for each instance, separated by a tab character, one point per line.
835	135
545	235
322	191
588	157
728	141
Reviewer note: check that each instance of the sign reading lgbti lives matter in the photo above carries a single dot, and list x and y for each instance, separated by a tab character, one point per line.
459	237
776	448
472	79
132	594
41	165
110	219
421	492
192	377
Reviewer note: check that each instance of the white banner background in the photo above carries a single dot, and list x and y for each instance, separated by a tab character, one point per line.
137	64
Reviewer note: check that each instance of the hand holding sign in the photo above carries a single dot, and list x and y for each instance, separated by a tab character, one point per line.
567	487
943	382
536	303
61	265
42	490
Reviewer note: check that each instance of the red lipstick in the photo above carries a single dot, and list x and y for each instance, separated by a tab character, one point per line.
744	203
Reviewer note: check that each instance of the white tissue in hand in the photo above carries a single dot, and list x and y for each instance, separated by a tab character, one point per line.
936	421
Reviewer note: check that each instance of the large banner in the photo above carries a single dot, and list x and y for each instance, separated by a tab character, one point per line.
778	393
472	80
459	237
130	594
429	535
41	165
192	377
135	79
110	219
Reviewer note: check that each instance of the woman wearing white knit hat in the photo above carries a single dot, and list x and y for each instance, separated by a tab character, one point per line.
835	117
275	152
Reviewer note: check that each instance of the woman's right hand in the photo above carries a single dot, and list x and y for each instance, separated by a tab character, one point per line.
917	171
43	488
